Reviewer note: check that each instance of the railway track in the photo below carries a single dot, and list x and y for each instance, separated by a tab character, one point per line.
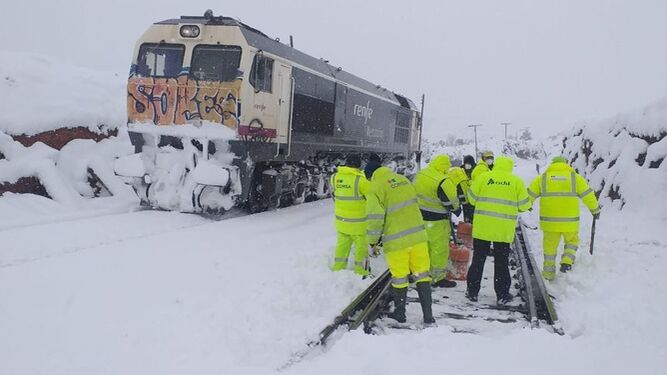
531	308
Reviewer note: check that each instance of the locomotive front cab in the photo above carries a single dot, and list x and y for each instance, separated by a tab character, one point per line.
184	100
186	73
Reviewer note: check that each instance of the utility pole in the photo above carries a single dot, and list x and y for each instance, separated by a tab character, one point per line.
421	126
506	124
474	127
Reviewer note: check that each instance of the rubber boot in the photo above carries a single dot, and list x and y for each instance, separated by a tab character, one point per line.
424	291
564	268
400	295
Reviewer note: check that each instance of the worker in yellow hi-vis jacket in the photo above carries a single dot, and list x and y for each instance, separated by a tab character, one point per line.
350	188
559	189
498	197
394	219
436	195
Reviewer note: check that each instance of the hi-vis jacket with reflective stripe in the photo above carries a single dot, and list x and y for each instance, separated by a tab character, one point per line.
393	213
350	188
479	170
432	185
559	189
460	179
498	197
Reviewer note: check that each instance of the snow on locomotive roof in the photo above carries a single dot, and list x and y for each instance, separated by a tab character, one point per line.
261	41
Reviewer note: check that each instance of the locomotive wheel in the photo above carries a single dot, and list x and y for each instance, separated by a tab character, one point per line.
299	196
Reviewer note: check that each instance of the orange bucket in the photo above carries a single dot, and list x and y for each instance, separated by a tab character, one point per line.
459	258
464	233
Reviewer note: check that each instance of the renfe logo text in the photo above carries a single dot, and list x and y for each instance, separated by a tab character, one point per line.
365	112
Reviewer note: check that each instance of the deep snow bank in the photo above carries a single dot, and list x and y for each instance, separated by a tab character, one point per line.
51	112
622	157
39	94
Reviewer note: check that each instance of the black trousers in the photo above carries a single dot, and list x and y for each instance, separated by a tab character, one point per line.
501	272
468	212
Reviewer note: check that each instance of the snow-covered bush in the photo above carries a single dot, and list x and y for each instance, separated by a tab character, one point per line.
457	148
623	158
524	149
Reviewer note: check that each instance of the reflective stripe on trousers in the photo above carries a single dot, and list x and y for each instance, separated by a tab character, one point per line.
400	280
438	274
570	254
420	276
549	258
570	257
551	268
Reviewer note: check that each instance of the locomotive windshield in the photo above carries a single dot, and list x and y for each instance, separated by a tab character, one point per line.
160	60
216	63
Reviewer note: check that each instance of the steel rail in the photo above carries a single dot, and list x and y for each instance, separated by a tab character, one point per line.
520	251
358	310
546	309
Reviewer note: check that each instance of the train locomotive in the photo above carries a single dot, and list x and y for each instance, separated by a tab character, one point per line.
221	116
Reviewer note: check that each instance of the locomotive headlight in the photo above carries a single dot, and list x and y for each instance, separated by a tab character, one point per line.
189	31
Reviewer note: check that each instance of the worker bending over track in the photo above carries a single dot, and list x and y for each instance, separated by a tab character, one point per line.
394	218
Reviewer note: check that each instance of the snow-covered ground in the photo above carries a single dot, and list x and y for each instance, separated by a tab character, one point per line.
100	287
164	293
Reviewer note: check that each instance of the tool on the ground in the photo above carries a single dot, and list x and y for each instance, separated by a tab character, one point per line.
593	234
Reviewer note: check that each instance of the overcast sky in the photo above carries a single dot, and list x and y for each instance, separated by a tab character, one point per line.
540	64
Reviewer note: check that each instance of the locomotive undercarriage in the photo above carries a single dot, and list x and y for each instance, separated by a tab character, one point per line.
209	176
181	174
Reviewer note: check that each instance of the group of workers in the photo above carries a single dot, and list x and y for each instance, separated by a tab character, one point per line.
411	221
